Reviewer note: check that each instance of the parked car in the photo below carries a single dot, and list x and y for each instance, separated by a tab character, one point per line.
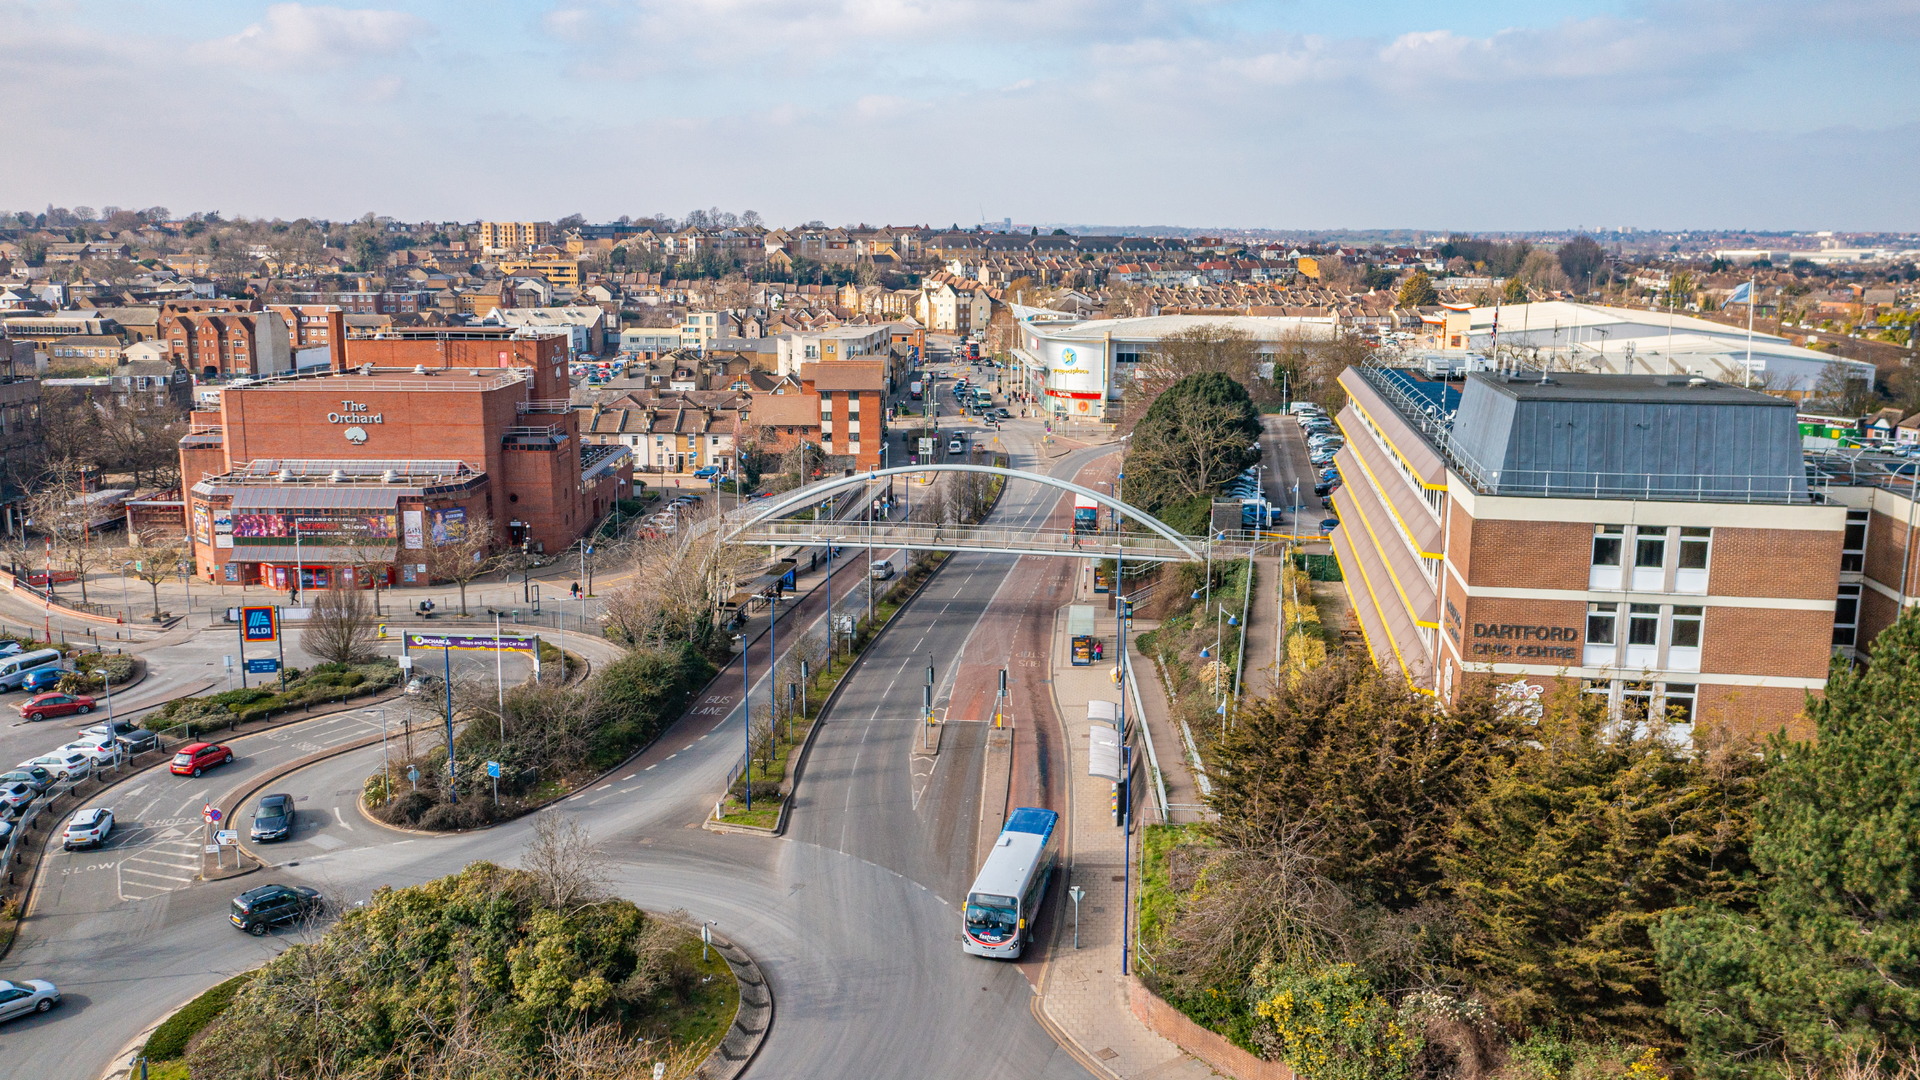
37	779
41	680
193	758
11	648
139	741
99	749
88	828
272	818
119	725
707	472
15	794
41	706
257	910
881	571
27	996
1330	524
64	764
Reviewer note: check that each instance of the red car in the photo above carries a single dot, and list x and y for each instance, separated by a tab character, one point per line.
194	757
42	706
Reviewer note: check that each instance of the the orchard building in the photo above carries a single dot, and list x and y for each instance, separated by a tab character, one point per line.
1651	538
356	475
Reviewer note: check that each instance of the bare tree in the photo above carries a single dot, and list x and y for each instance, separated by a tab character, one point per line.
60	510
341	627
371	562
561	857
465	557
158	562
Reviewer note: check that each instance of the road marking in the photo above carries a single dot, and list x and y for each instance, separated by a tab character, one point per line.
149	873
603	787
651	767
340	816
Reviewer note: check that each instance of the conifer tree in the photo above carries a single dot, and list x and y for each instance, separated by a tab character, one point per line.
1828	963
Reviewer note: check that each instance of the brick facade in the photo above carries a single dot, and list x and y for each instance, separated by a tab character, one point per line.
1799	564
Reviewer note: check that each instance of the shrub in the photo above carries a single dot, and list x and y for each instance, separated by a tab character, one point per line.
470	813
170	1039
408	808
763	790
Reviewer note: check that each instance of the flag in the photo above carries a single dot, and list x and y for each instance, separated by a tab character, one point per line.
1741	295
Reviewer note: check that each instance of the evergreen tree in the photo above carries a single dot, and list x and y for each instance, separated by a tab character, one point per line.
1418	291
1371	763
1562	863
1828	964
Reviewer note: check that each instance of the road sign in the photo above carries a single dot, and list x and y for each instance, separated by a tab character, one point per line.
226	836
213	849
263	667
210	814
258	624
493	769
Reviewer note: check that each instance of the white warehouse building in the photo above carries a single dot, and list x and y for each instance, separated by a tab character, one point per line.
1079	367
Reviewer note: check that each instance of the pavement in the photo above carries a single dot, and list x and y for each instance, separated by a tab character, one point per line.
1084	990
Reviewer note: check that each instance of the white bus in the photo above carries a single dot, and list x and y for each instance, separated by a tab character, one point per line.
1006	896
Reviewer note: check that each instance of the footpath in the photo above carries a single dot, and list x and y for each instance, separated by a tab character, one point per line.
1083	996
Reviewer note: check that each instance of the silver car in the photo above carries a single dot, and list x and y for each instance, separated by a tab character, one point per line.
28	995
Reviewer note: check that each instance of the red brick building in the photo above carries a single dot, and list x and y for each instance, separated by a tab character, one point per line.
852	401
424	434
1652	539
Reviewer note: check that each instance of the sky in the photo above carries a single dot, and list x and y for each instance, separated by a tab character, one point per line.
1284	114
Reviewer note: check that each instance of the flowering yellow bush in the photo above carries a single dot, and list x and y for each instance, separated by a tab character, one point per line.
1326	1021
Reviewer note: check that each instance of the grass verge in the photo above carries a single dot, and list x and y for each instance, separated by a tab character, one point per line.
169	1041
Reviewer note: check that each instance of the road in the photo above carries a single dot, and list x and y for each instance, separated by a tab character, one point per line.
853	915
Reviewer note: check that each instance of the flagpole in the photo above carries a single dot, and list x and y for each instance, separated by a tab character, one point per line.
1751	299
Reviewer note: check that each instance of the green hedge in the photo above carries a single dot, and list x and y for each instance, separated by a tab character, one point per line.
323	684
170	1039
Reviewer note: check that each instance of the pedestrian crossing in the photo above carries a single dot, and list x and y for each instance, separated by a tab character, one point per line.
160	867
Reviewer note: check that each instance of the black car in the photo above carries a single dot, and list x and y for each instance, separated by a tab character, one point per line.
258	909
139	741
272	818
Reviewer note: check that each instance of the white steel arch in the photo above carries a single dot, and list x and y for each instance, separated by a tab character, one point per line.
803	496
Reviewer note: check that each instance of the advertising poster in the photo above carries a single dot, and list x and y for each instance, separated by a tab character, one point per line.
449	526
411	527
233	571
335	529
223	528
202	523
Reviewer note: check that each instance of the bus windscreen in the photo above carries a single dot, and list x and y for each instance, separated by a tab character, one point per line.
991	918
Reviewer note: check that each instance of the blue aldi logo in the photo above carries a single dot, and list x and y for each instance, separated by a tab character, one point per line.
257	624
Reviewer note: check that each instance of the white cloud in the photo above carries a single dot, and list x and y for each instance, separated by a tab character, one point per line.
319	37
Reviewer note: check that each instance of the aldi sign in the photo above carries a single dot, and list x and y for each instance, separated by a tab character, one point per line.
258	624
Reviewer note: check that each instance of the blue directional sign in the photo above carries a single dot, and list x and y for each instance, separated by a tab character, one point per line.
493	769
263	667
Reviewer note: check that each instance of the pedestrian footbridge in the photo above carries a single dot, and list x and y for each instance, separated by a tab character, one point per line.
764	522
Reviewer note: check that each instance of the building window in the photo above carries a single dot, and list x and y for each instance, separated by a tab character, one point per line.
1643	635
1683	651
1853	545
1649	559
1608	540
1678	702
1846	614
1602	624
1636	699
1691	574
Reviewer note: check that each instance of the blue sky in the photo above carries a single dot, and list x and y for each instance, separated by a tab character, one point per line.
1761	114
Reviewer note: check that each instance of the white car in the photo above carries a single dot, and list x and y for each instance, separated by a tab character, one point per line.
63	764
98	749
89	828
14	796
25	996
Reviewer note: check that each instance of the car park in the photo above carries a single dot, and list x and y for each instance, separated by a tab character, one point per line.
272	818
258	910
64	765
88	828
119	725
27	996
14	669
41	706
194	758
16	794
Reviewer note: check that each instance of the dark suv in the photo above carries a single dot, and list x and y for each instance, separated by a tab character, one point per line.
258	909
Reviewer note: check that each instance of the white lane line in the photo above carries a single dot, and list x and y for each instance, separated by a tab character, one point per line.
342	818
603	787
669	757
149	873
651	767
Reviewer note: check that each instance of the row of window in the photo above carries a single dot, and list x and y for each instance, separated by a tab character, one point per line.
1643	698
1630	636
1655	551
